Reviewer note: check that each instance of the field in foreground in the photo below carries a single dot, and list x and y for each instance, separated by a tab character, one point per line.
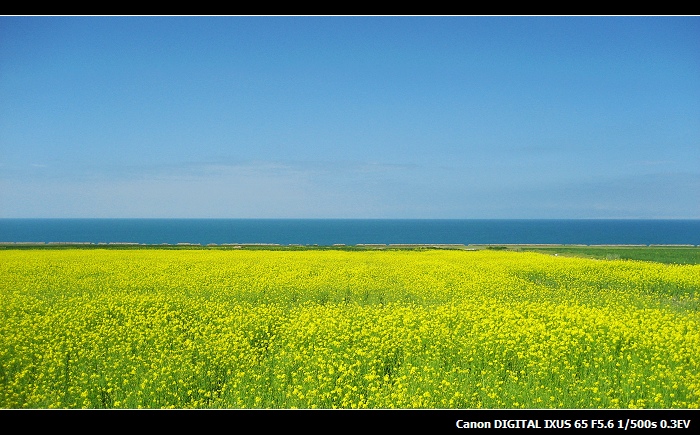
143	328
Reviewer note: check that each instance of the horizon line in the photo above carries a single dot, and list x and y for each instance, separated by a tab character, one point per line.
368	218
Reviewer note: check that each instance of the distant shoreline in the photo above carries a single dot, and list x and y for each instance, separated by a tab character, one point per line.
457	246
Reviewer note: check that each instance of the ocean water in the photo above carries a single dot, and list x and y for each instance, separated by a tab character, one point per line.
351	231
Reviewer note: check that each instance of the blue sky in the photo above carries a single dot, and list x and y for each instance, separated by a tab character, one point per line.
350	117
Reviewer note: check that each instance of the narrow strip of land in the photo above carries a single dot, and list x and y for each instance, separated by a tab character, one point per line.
670	254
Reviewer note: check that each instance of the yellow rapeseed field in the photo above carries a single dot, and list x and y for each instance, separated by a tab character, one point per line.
208	328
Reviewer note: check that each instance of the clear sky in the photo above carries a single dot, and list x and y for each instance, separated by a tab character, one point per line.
350	117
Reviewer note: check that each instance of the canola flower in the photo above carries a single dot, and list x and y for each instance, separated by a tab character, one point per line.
339	329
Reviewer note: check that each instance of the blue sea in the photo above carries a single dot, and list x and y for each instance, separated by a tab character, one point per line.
351	231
